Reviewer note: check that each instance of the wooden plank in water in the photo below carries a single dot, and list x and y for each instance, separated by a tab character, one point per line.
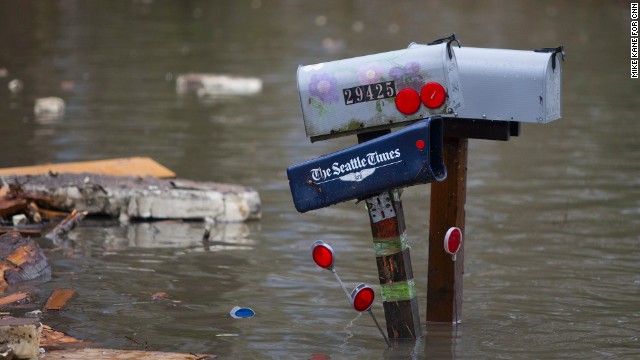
148	198
13	298
58	299
12	206
22	230
21	259
108	354
134	166
51	339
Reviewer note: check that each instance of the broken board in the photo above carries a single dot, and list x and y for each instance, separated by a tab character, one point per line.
59	299
127	197
133	166
110	354
21	259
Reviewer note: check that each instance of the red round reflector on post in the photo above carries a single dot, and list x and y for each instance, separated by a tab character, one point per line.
362	297
408	101
322	254
433	95
453	240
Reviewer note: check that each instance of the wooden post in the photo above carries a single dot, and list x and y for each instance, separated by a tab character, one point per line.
444	288
393	259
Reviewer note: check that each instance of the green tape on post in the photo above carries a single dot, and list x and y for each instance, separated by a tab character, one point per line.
398	291
390	246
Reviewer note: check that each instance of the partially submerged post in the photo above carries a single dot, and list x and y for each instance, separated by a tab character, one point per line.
501	89
444	283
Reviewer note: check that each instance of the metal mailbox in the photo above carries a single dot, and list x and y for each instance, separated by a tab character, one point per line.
409	156
379	91
510	85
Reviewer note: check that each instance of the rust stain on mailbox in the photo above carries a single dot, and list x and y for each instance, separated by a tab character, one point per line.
410	156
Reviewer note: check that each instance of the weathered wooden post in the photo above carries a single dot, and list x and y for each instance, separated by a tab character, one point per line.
444	291
367	96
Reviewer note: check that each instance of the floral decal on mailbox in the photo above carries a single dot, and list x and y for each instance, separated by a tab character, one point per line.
324	87
407	76
370	73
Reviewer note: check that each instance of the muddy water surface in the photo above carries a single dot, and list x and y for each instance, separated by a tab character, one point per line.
553	217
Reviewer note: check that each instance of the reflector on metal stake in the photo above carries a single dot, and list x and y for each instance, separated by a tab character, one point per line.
453	241
322	254
362	299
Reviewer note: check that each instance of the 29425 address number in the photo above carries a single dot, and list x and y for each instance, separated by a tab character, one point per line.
371	92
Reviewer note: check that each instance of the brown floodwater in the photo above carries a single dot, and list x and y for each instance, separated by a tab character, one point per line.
553	216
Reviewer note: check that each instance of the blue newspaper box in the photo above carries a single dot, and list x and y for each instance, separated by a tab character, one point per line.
410	156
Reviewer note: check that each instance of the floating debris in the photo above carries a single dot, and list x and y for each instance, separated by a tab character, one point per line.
22	335
22	260
212	85
16	297
241	313
102	353
59	299
20	219
49	109
15	86
126	197
133	166
37	313
67	85
160	295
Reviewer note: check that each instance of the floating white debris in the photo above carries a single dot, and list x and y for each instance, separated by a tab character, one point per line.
52	106
173	198
15	86
19	219
22	335
217	85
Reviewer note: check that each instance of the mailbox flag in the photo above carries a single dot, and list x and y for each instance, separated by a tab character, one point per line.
410	156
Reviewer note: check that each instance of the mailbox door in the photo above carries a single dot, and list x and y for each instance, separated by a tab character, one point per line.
512	85
509	85
409	156
378	91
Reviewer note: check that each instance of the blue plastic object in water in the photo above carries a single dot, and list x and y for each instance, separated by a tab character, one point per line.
240	313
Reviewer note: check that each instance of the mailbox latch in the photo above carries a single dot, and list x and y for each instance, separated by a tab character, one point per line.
555	51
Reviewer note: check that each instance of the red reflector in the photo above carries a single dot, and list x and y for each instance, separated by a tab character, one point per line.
453	240
433	95
322	254
420	144
408	101
362	297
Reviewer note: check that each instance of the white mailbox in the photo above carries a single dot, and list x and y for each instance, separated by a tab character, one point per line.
511	85
379	91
